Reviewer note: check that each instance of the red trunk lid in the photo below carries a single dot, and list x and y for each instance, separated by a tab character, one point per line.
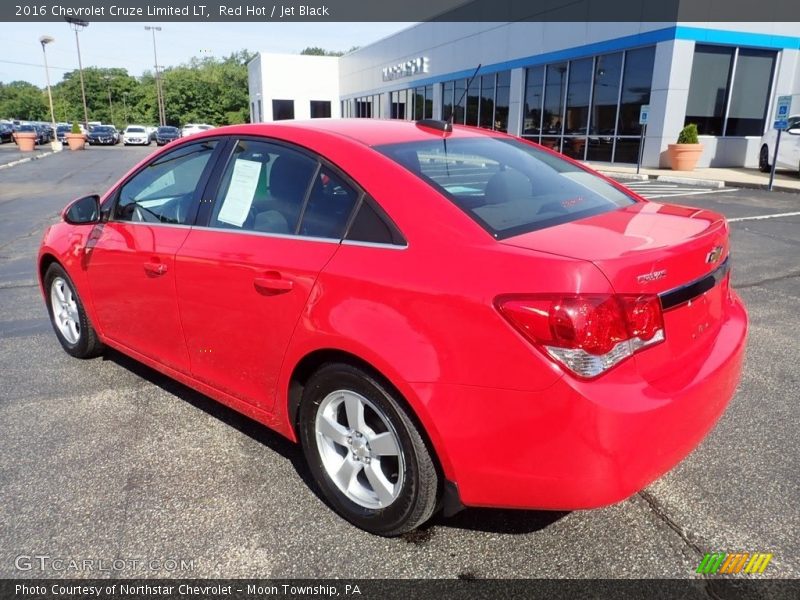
651	248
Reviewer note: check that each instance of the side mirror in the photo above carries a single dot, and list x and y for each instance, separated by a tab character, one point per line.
793	131
83	211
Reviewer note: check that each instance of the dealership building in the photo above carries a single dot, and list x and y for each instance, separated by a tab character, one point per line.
576	87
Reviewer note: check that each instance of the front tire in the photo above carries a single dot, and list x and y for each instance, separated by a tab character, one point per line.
763	160
67	315
366	454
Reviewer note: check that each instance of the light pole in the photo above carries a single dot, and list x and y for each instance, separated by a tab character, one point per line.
110	106
44	40
125	105
159	92
79	25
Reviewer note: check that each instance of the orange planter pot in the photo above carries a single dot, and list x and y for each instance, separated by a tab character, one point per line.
684	157
76	141
26	140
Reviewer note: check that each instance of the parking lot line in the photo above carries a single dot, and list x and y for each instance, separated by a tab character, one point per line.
763	217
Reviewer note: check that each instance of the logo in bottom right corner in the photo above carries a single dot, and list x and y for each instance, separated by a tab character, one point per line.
719	563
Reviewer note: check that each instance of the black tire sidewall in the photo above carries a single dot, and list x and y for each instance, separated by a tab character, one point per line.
82	347
340	377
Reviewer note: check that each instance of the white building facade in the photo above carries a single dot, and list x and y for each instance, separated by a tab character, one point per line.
579	87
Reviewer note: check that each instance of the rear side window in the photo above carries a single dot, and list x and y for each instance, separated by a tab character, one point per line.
507	186
372	226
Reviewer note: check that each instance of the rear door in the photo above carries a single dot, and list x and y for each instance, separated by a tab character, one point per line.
274	219
131	261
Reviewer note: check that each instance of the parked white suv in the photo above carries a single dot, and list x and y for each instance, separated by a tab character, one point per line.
788	151
191	128
135	134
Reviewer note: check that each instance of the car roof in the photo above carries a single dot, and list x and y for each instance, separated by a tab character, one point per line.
371	132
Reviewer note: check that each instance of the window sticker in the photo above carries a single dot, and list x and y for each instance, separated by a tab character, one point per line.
242	189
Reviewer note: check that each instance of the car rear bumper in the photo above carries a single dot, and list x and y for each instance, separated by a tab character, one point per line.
580	445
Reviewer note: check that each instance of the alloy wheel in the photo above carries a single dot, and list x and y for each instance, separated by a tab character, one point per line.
65	310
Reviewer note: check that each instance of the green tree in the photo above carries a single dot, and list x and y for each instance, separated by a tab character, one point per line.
23	100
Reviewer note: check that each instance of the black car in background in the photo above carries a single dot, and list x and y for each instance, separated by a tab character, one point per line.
42	134
6	133
166	134
104	135
61	133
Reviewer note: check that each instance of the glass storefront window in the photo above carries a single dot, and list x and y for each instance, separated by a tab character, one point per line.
473	100
419	104
320	109
554	90
428	112
605	98
576	117
708	88
447	99
502	100
282	110
636	82
459	101
532	115
752	83
486	118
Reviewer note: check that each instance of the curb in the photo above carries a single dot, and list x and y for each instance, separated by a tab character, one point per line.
707	183
624	176
13	163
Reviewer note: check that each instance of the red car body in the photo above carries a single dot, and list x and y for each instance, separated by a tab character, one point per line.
509	426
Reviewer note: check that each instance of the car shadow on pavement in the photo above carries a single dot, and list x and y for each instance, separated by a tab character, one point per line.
473	519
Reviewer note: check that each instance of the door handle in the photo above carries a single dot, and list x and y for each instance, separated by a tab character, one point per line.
152	268
273	285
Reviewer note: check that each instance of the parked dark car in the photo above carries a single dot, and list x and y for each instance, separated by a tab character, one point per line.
102	134
6	133
166	134
42	135
61	133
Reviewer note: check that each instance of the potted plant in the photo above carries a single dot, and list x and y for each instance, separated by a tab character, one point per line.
26	140
75	138
684	155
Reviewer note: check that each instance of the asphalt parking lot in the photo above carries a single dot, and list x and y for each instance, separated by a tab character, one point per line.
105	459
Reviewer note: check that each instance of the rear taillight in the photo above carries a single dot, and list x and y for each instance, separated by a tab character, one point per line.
587	333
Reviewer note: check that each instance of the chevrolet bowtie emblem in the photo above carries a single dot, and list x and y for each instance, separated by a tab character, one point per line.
714	255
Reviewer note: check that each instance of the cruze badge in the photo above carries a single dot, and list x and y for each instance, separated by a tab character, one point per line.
652	276
714	255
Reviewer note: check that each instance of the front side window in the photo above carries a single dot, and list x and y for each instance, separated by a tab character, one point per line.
164	190
507	186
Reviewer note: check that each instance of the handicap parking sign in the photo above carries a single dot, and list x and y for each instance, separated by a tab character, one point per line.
782	112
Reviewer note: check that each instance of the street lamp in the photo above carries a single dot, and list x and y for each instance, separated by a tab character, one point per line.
162	118
79	25
125	105
44	40
110	106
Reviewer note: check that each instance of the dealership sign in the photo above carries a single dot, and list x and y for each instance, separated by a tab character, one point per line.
415	66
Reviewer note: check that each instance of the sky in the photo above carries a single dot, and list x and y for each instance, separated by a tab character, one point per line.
129	46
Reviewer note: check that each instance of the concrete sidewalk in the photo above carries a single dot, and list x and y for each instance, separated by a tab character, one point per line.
785	181
10	156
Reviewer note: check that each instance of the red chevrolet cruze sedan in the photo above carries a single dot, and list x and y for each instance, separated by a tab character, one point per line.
442	316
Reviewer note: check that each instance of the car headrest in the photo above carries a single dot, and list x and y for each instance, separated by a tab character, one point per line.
507	185
289	177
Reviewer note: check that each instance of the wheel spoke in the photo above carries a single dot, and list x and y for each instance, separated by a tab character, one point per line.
72	313
355	413
384	444
347	472
382	487
59	289
332	430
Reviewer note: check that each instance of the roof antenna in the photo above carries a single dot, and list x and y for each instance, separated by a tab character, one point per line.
464	93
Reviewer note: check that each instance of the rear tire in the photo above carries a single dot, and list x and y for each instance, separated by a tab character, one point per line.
366	454
763	159
67	315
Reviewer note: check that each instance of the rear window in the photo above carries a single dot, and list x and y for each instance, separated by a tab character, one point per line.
507	186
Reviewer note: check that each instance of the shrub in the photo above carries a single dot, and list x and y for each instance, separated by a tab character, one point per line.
688	135
75	127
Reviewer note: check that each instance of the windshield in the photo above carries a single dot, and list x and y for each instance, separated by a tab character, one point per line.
135	129
507	186
167	130
99	129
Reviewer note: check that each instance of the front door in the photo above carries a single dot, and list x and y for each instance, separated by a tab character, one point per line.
131	264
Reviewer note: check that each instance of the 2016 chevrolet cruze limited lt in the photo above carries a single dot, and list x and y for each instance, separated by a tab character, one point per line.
441	316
